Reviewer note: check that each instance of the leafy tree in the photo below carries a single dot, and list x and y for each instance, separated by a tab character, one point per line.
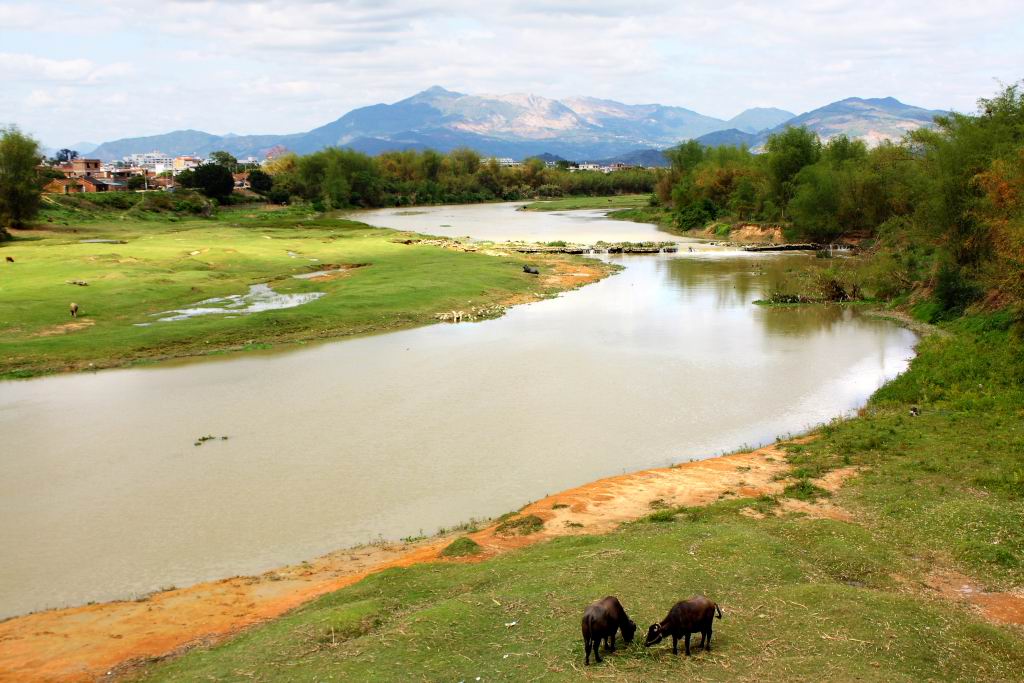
788	153
225	159
136	182
20	184
260	181
815	206
213	180
685	157
463	161
66	155
840	149
186	178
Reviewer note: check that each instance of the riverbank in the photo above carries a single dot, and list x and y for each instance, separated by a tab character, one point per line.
86	642
140	282
887	548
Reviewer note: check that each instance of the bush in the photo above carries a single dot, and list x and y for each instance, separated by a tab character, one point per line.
953	292
462	547
522	526
278	195
213	180
114	200
696	215
260	181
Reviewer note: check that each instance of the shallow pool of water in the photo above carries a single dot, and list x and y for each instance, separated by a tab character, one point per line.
103	494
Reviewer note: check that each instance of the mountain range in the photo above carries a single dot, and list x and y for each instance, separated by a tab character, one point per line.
521	125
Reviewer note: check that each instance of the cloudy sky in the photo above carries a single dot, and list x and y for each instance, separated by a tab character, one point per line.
104	69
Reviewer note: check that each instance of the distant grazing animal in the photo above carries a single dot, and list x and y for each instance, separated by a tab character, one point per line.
695	615
914	411
600	622
531	270
74	310
10	259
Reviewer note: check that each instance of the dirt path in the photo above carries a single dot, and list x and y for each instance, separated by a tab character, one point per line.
85	643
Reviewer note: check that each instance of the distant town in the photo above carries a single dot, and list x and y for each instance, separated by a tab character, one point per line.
72	174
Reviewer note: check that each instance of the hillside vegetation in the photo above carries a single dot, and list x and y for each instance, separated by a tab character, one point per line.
940	214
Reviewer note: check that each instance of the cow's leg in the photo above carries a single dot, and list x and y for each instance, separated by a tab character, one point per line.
597	650
586	646
687	644
675	645
611	643
708	646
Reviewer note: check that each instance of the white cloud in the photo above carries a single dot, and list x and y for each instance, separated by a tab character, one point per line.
289	65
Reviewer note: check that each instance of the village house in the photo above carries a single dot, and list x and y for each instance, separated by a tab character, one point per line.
81	168
64	186
185	163
86	184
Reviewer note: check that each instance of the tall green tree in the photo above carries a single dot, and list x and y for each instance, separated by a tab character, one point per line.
213	180
225	159
20	186
260	181
788	153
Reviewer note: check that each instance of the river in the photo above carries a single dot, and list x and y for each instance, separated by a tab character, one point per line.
103	494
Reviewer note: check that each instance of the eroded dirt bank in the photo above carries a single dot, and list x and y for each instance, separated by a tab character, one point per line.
85	643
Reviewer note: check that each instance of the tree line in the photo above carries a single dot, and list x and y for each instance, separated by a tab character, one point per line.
941	211
336	178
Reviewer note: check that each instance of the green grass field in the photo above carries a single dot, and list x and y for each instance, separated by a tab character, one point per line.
805	599
173	260
572	203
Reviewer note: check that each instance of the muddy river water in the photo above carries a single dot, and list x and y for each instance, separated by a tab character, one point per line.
103	494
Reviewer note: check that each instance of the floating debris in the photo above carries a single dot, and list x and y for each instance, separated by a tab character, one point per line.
209	437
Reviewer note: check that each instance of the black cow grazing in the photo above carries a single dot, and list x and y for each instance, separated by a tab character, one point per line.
531	270
600	622
10	259
695	615
74	310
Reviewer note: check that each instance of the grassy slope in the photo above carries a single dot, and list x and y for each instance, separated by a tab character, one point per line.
154	271
804	599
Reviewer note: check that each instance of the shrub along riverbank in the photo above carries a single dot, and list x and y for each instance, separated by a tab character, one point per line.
860	589
124	264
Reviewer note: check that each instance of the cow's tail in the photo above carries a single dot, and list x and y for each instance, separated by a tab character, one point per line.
719	611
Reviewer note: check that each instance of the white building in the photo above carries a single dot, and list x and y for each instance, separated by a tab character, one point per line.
502	161
150	161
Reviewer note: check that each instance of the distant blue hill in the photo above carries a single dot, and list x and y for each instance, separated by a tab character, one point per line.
731	137
522	125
